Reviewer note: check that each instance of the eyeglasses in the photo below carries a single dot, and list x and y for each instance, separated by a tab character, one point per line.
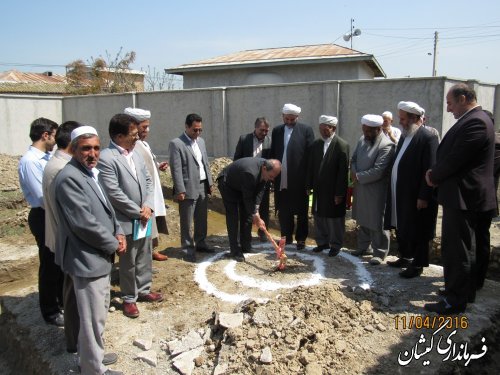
199	130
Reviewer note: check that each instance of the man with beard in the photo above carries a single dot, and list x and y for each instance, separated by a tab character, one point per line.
463	175
369	172
327	176
141	146
410	206
290	143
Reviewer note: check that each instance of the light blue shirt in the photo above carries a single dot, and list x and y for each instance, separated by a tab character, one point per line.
30	170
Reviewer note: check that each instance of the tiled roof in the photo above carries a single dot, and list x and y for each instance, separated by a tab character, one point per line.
14	81
282	55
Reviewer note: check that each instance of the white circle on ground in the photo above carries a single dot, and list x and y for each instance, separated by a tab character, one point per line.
200	276
252	282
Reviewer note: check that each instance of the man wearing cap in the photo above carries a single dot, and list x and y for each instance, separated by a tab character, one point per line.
258	145
370	174
159	225
290	144
56	163
30	169
327	176
192	185
88	236
463	176
411	210
129	187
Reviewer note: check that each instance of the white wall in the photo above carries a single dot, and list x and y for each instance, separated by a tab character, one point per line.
17	112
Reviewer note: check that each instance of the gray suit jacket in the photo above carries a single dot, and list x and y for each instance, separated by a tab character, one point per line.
87	224
185	168
127	193
53	167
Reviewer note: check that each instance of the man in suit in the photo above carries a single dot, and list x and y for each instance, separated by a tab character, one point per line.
290	143
160	223
257	144
128	184
31	167
463	175
192	185
242	185
369	172
411	209
61	157
327	176
88	236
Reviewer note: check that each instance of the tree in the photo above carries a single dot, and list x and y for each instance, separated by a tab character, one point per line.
102	75
157	81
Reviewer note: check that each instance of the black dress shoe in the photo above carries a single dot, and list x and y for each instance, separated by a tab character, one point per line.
207	250
444	308
320	248
190	256
470	299
301	245
239	257
333	252
400	263
56	319
411	272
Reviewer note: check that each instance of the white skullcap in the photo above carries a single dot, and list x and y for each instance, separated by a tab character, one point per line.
290	109
139	114
387	114
81	130
328	120
411	107
372	120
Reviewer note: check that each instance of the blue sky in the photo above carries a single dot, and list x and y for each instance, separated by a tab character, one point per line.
168	33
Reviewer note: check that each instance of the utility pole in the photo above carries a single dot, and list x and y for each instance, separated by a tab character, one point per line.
352	30
434	61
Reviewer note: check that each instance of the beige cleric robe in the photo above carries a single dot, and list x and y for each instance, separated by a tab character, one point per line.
371	164
159	202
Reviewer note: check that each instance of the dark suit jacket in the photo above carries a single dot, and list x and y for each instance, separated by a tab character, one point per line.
419	156
87	224
464	164
297	152
242	182
244	148
185	168
126	191
327	176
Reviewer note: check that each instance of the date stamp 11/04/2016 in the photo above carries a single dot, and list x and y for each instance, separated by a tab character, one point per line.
402	322
441	340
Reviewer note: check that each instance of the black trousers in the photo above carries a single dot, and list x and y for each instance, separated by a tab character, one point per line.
237	219
465	251
286	217
71	316
417	249
50	276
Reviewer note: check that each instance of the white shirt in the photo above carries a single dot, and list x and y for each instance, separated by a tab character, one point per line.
199	158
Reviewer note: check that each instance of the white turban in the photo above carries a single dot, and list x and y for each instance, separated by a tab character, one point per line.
372	121
328	120
81	130
139	114
290	109
411	107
